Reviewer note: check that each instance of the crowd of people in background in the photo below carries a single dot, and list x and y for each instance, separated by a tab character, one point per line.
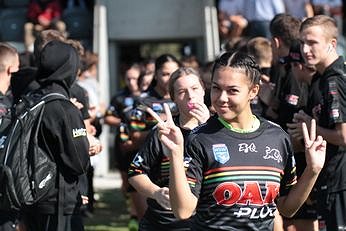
253	141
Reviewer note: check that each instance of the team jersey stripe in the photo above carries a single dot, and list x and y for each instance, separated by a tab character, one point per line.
191	182
165	168
132	171
242	178
229	173
243	168
165	159
165	165
292	182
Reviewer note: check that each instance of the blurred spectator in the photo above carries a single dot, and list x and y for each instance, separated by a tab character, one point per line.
299	8
206	78
259	13
147	75
235	44
260	49
88	80
331	8
75	3
231	19
288	92
42	14
190	61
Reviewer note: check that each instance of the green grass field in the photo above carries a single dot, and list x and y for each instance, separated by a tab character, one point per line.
110	212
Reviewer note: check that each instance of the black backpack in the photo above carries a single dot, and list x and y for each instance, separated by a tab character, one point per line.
27	173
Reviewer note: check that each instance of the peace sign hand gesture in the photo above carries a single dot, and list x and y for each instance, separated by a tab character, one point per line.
315	148
169	133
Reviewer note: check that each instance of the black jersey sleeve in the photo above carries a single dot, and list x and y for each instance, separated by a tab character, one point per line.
336	105
194	172
147	157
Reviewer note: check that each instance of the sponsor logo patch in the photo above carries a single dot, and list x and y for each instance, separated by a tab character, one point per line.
77	132
335	113
246	148
292	99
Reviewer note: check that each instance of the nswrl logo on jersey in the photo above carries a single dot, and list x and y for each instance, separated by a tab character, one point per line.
221	153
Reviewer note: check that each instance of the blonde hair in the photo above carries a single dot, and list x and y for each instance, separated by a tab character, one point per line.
327	23
180	72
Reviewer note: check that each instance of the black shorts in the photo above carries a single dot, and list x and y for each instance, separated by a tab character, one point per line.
306	212
335	213
146	225
124	159
7	225
34	221
8	221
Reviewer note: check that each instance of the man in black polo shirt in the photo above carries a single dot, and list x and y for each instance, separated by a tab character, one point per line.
319	39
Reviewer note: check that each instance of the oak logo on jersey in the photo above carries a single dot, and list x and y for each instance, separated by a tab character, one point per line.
272	153
246	148
221	153
257	200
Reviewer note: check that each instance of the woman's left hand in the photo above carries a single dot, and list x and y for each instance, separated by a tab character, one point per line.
315	148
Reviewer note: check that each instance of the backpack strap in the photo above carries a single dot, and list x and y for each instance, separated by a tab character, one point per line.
53	96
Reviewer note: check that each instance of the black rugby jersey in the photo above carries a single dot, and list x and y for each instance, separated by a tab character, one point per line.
238	176
292	97
153	161
119	103
155	102
333	110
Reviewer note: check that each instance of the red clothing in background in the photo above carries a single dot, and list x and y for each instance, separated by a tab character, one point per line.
46	10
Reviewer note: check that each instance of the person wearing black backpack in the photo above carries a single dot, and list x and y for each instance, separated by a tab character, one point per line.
9	63
63	136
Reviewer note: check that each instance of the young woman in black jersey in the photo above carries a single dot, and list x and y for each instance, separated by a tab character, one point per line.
149	171
242	167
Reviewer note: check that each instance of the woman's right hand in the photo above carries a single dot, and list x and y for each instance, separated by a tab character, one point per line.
201	112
